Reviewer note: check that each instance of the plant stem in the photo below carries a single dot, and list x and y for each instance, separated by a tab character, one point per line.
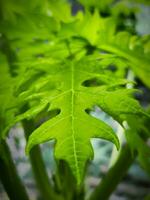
9	176
38	166
114	175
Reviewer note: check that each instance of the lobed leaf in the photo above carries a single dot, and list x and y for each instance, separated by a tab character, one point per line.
72	88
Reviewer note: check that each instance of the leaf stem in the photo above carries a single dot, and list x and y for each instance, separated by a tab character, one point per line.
114	175
9	176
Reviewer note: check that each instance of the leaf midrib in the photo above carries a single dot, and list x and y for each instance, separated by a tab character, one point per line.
72	124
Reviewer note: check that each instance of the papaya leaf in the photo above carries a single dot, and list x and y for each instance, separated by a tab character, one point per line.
73	87
132	48
103	35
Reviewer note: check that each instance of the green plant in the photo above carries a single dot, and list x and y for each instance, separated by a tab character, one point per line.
59	65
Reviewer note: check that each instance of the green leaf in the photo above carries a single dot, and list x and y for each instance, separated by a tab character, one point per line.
61	10
101	33
132	48
6	95
85	25
72	88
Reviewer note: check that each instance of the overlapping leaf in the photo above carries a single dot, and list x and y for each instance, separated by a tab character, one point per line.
132	49
103	35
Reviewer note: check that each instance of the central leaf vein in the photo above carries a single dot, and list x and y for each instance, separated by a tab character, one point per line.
72	122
